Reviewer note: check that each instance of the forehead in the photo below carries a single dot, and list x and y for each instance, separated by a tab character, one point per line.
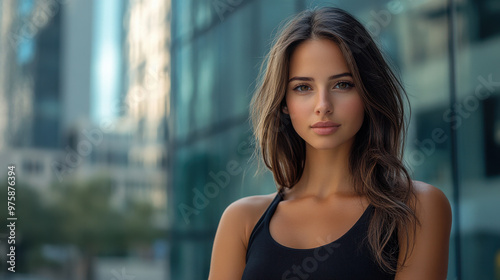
317	57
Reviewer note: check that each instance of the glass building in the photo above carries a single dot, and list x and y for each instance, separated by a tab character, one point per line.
447	55
84	87
155	95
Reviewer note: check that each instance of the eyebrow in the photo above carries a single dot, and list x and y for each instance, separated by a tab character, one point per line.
311	79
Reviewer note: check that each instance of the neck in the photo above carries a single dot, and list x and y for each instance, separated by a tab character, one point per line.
326	173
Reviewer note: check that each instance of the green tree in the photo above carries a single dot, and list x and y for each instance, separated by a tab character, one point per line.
79	214
33	227
88	220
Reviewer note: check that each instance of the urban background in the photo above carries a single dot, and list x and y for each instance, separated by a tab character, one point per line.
126	122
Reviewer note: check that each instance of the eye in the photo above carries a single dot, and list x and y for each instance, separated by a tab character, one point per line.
302	88
344	85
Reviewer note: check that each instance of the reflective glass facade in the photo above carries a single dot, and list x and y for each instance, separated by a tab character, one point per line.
84	92
447	55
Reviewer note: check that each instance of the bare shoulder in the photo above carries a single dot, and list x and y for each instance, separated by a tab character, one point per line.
245	212
428	258
233	233
431	199
432	206
254	202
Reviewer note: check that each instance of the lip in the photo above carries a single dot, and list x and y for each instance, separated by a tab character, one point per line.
325	124
325	128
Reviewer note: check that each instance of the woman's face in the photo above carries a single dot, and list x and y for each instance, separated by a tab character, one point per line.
322	100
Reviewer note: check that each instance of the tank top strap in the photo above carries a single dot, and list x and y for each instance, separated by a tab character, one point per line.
265	218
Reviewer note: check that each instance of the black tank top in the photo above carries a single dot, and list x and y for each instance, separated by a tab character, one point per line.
348	257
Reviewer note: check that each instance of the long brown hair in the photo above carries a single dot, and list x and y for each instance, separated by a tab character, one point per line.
376	158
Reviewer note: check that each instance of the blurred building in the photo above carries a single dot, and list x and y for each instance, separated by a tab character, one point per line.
31	93
119	110
84	91
148	90
448	60
7	20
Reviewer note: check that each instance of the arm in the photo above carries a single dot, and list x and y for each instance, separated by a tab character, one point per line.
429	258
231	240
229	249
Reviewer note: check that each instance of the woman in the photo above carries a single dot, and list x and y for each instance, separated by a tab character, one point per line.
329	119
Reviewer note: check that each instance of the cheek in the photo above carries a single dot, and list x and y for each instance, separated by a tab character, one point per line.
298	112
354	109
296	108
298	116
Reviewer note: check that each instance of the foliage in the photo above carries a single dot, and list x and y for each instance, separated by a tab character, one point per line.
79	214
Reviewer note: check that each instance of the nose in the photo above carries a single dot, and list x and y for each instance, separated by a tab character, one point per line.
323	103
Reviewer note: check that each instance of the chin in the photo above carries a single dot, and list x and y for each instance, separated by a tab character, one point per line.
325	144
325	147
